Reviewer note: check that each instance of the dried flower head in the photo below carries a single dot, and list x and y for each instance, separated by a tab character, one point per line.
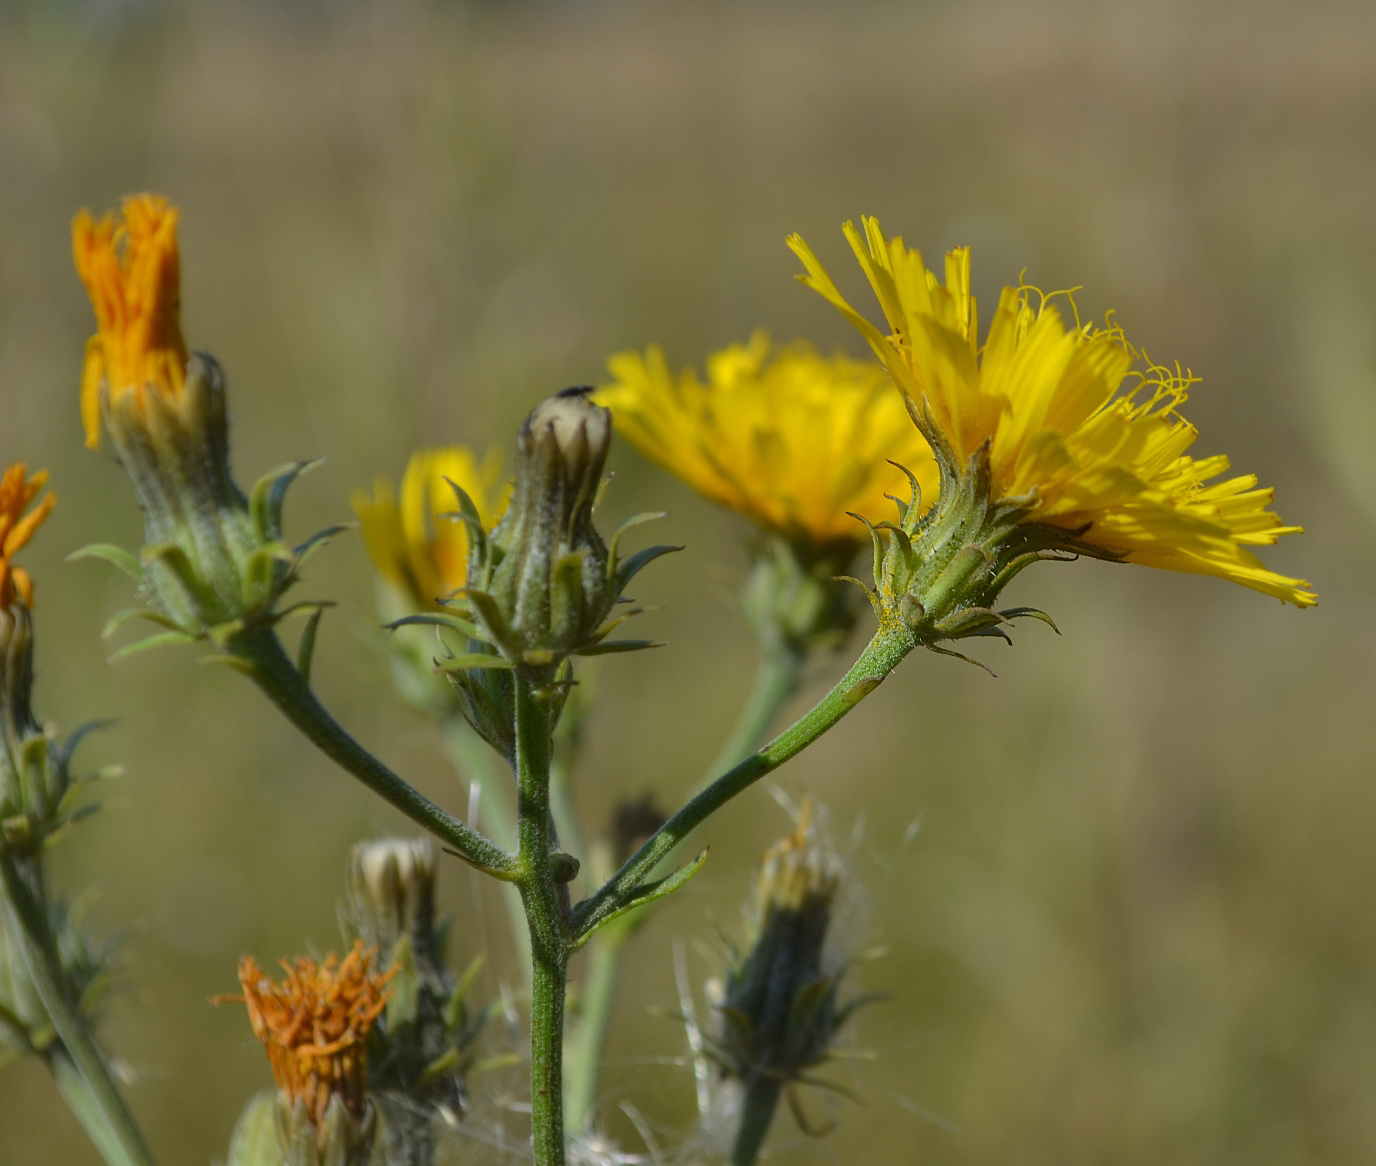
314	1025
17	493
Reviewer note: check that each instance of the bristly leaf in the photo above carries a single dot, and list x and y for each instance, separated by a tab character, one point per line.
115	556
496	629
914	504
468	515
120	618
606	647
268	495
877	541
647	893
305	550
156	641
634	564
937	648
305	650
438	619
1030	613
634	520
471	660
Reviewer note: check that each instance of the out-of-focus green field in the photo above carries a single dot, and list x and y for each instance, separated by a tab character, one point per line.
1138	923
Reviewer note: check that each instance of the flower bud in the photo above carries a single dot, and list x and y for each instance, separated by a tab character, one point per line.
36	802
938	572
764	1029
550	574
419	1050
542	583
213	562
34	775
777	1006
391	896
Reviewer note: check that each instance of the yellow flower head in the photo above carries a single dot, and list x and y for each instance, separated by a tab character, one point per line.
315	1025
413	542
1076	421
131	270
790	439
17	493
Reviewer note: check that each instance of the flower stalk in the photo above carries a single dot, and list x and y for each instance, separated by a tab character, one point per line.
543	882
262	657
91	1091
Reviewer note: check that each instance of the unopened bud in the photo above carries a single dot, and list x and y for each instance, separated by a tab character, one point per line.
391	895
777	1004
420	1046
552	581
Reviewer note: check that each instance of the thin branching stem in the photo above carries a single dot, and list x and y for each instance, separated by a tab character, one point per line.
261	654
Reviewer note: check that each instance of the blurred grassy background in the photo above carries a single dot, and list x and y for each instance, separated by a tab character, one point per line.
1137	923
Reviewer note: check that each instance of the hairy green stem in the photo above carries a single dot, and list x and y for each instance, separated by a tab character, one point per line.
261	654
545	903
880	657
79	1067
757	1114
776	680
589	1040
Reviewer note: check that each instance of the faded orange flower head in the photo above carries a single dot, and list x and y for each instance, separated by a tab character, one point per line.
315	1024
132	272
17	492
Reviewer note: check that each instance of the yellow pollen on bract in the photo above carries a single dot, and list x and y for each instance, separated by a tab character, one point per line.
413	540
1075	417
17	492
315	1025
790	439
132	272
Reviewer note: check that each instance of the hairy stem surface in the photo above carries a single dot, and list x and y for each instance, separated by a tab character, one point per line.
262	655
757	1114
545	901
79	1067
880	657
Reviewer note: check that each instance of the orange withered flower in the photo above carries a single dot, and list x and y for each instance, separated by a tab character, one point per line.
315	1024
132	271
17	492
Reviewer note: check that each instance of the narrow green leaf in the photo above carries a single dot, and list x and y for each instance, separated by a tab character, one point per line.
157	641
646	894
637	562
440	620
471	660
634	520
305	650
119	619
115	556
607	647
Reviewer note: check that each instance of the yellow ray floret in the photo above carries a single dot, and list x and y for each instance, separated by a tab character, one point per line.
131	270
1073	415
790	439
414	542
17	493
